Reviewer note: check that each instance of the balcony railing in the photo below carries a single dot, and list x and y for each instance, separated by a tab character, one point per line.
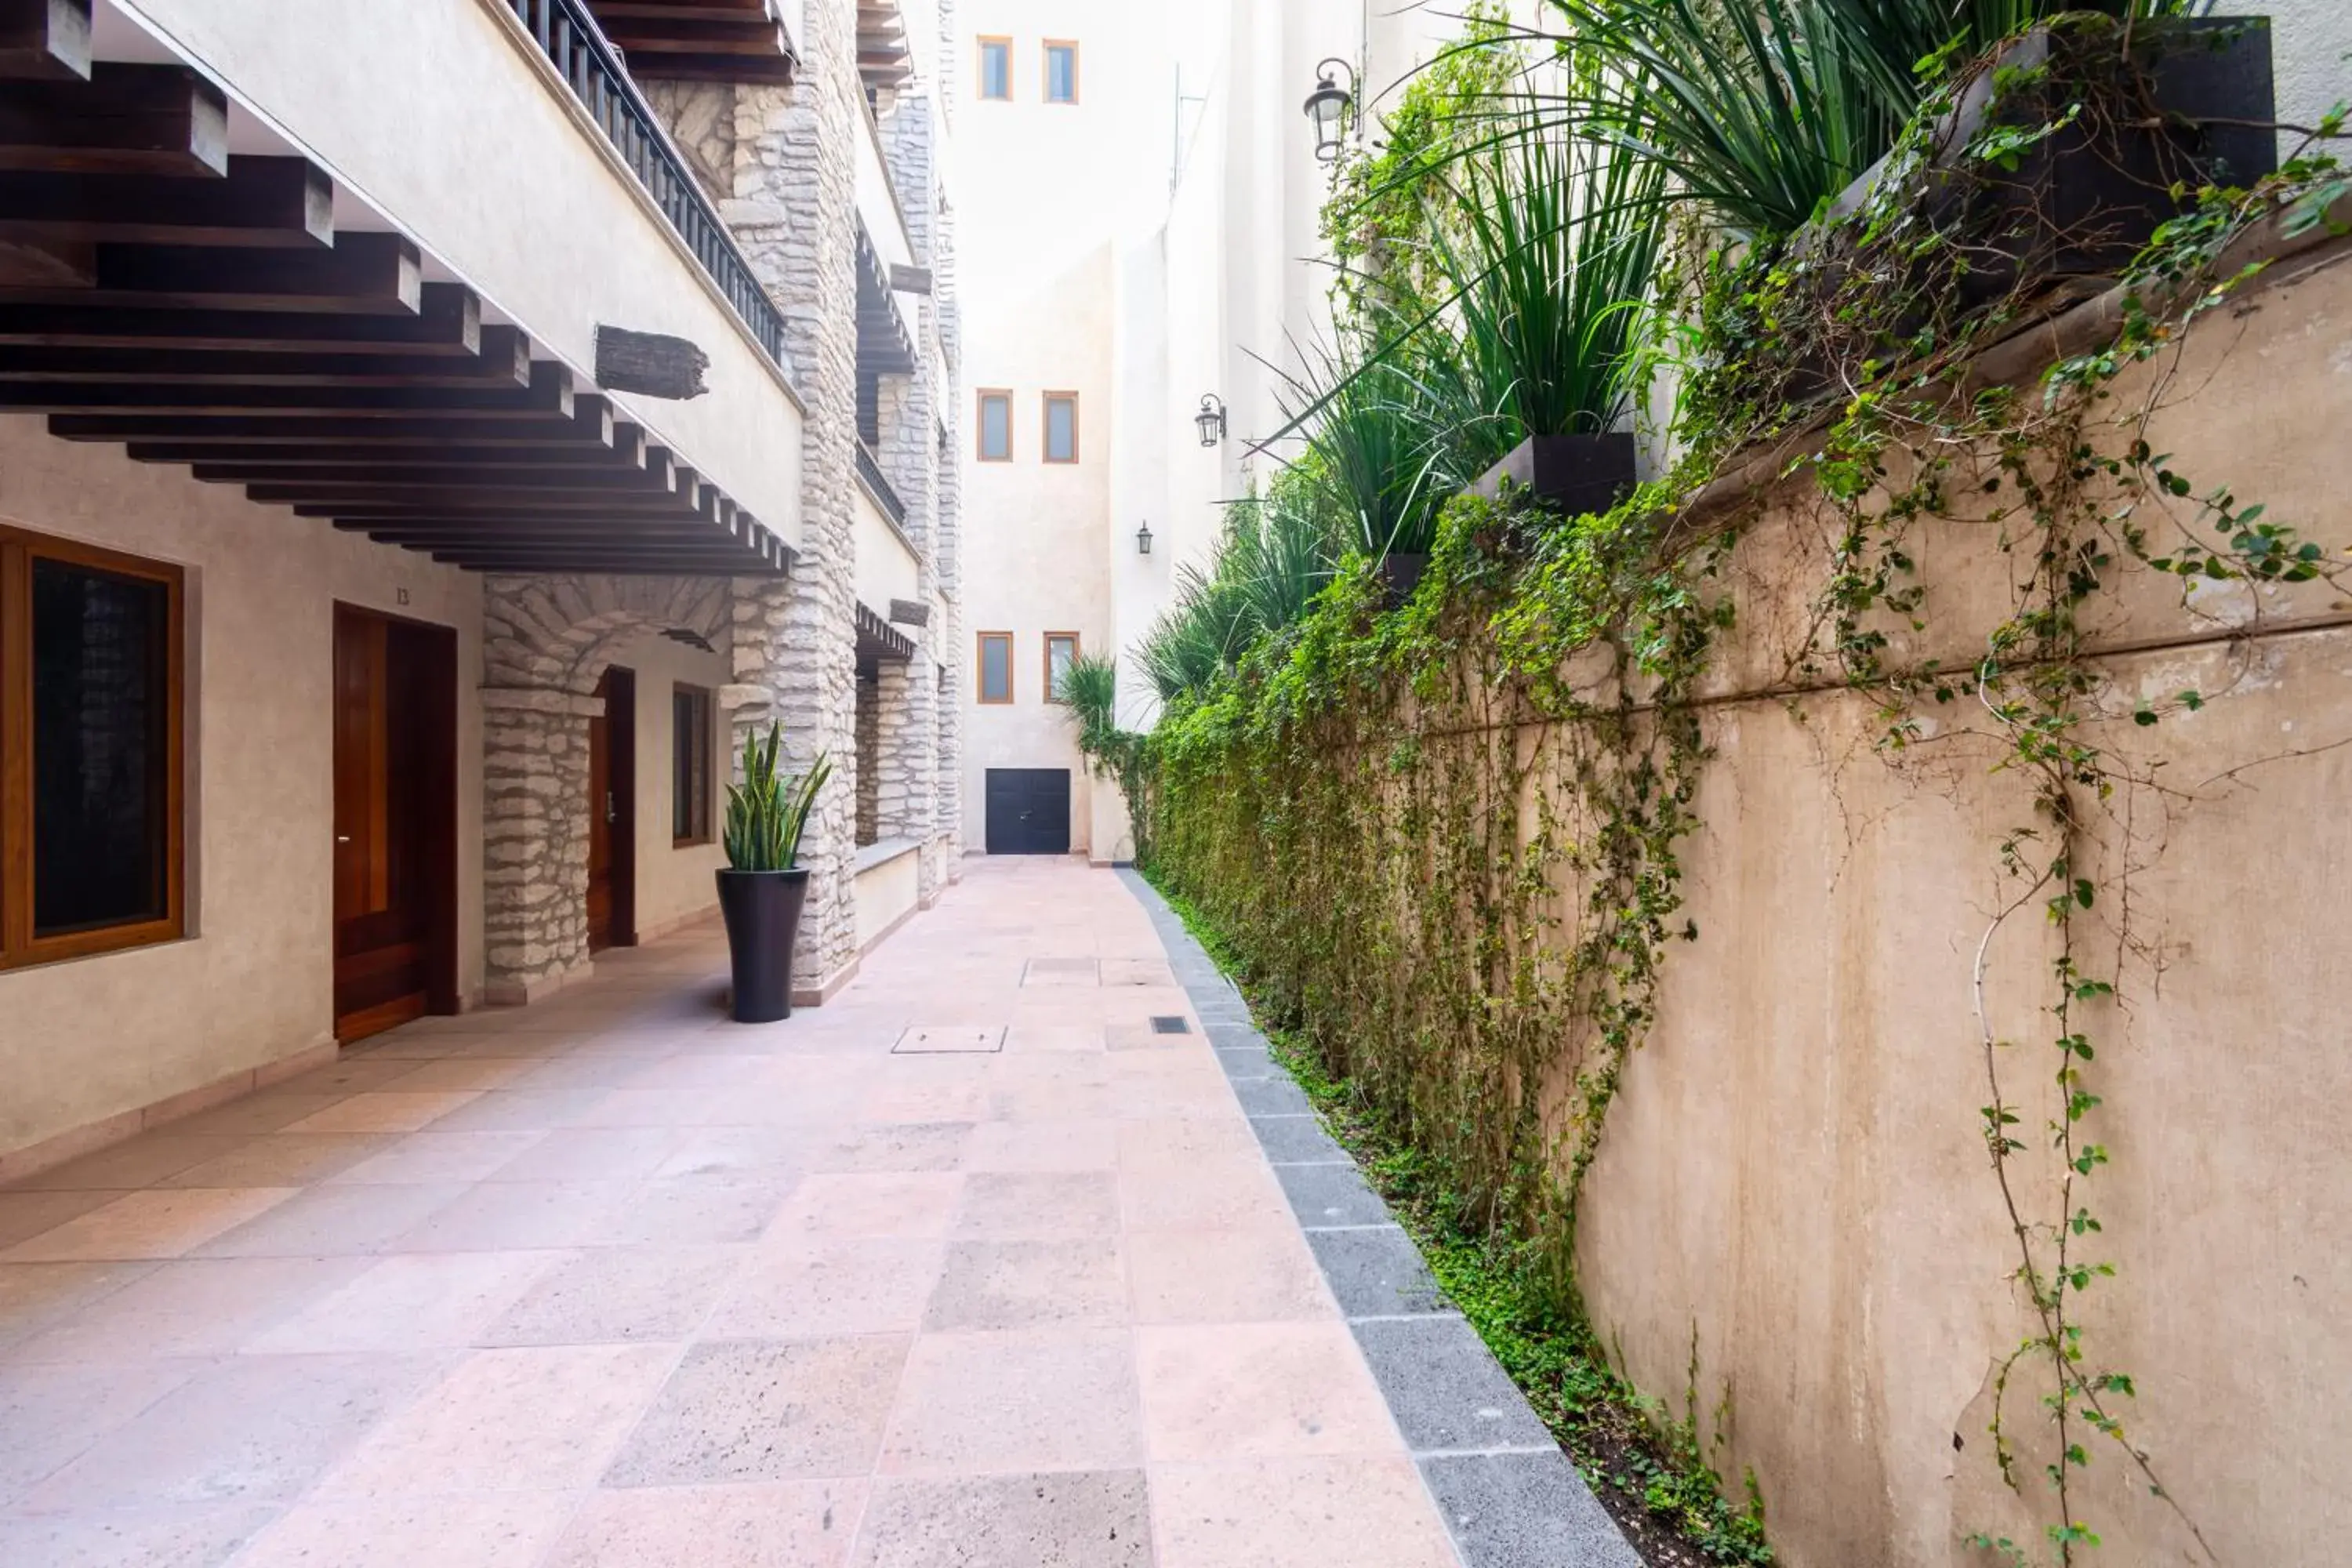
572	40
870	471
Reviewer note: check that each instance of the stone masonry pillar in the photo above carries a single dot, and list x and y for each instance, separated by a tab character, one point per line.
535	840
794	212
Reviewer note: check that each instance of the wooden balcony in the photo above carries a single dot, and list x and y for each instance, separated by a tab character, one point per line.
701	40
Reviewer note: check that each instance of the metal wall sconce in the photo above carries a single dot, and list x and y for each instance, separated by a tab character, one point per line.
1328	105
1210	419
1143	540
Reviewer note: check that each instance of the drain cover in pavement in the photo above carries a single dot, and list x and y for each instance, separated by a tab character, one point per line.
1170	1023
938	1039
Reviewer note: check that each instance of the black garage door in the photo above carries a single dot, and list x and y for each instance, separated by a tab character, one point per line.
1028	811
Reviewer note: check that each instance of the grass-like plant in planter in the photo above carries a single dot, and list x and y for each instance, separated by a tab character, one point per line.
764	886
1278	553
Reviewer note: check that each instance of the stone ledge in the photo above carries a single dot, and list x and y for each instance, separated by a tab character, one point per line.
882	852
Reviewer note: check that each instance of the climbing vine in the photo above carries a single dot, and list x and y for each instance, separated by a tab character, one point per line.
1445	834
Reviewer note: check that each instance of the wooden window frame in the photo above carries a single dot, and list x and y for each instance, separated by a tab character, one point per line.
18	946
1046	70
1004	41
1046	429
980	424
980	671
706	702
1076	649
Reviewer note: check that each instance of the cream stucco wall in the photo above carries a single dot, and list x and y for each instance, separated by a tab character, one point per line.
439	113
673	883
888	890
252	983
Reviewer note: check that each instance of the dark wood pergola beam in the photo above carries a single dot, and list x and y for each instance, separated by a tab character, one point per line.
590	425
549	394
125	120
363	274
448	320
505	361
285	203
45	40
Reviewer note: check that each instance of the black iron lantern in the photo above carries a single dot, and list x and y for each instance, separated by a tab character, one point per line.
1210	419
1143	540
1327	106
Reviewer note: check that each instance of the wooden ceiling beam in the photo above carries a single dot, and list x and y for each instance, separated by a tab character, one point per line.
45	40
590	426
549	395
367	274
448	322
505	361
264	202
125	120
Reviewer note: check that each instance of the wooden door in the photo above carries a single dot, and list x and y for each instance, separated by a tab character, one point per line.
395	857
611	813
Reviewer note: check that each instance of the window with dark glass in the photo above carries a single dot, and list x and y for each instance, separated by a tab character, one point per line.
1061	73
996	68
1061	427
996	667
1061	652
995	426
689	772
89	750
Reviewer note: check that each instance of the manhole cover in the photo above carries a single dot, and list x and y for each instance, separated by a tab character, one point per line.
1170	1023
939	1039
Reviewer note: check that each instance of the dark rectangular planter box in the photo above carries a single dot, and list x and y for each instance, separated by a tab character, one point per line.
2084	200
1571	474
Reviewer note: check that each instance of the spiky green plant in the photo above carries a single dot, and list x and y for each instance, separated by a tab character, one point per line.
768	812
1090	686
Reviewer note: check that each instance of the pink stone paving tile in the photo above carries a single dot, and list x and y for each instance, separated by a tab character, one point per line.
34	1296
928	1089
272	1112
694	1209
189	1306
50	1414
894	1203
248	1428
282	1159
1030	1040
781	1524
1041	1203
353	1074
1248	1390
409	1532
858	1286
433	1157
332	1221
1150	1143
1053	1399
522	1111
1072	1518
761	1410
508	1421
463	1073
615	1295
898	1146
1029	1284
199	1537
739	1151
1298	1513
1226	1277
135	1163
590	1154
414	1303
26	1215
1138	971
148	1225
384	1111
512	1216
1089	1144
1211	1192
1169	1084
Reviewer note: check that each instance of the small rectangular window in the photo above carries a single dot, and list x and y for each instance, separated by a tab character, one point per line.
1061	72
1061	652
996	667
995	426
996	68
1061	427
89	750
689	770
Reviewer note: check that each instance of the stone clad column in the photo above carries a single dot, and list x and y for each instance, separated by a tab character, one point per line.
535	840
793	210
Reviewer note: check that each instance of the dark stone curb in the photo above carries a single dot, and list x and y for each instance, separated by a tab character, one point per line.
1510	1497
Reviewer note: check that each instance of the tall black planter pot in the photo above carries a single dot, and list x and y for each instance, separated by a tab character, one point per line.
762	910
1575	474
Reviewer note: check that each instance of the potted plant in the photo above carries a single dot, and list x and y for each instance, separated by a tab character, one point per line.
763	889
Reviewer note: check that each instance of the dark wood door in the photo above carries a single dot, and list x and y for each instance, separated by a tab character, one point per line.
1028	811
613	814
395	859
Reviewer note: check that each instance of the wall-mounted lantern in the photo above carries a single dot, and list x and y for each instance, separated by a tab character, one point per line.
1210	419
1143	540
1327	106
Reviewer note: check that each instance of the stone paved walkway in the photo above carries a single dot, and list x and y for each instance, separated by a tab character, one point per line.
612	1282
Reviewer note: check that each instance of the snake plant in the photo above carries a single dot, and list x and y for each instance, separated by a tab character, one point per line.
767	811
